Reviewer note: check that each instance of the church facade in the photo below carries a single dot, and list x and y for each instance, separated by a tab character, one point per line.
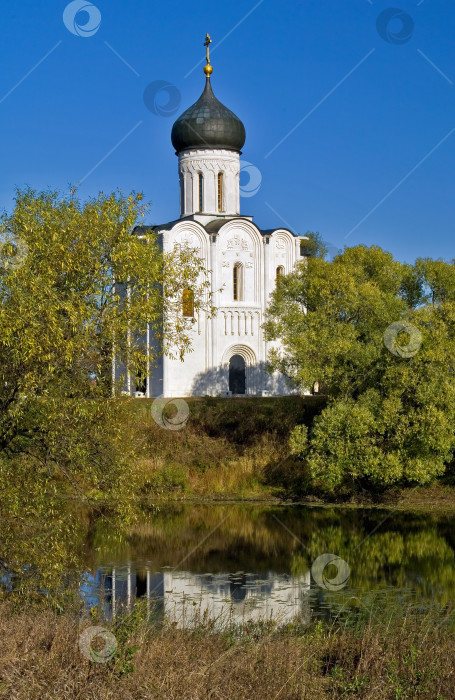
229	349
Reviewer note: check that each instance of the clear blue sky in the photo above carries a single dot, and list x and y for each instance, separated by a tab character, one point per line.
369	108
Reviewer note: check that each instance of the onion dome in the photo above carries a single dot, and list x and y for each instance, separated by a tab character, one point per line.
208	124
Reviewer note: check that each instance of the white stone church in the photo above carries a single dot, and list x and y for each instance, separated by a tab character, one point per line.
229	350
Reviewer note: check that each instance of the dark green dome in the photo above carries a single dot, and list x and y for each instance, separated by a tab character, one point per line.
208	124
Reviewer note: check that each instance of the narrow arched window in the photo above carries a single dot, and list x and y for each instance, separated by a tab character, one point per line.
188	303
182	194
141	383
279	273
237	279
201	192
220	192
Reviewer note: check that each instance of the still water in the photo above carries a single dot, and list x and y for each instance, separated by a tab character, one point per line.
244	562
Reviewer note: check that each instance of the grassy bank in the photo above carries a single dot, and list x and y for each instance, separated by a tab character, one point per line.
237	449
405	656
226	449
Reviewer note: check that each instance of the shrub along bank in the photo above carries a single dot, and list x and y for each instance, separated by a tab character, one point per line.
241	448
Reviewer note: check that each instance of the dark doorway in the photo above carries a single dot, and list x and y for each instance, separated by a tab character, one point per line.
237	374
141	584
237	587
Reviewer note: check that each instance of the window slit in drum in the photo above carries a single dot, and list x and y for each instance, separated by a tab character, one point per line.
201	192
220	192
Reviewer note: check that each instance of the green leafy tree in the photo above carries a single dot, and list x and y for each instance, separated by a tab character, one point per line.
313	245
378	336
64	315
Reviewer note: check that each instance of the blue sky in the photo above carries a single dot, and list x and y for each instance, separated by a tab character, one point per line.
371	154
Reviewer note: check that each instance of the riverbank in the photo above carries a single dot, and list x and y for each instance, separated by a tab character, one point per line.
404	655
436	498
238	450
224	449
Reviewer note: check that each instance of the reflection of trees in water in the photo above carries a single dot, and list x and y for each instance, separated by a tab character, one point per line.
406	551
248	538
45	547
422	561
42	553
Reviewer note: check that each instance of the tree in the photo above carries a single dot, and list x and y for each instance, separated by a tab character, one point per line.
378	335
313	245
63	313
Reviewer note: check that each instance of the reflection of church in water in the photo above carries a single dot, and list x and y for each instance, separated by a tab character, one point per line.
229	350
180	595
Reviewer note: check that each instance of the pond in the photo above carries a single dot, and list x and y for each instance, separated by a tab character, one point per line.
249	562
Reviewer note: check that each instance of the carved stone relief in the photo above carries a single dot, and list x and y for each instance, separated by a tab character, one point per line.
237	242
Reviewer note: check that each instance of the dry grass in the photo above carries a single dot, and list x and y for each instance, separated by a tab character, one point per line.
209	468
225	448
437	497
239	449
408	657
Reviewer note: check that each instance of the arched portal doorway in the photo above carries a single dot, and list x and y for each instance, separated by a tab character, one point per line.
237	383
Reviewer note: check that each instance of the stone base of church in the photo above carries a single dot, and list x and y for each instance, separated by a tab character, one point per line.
219	382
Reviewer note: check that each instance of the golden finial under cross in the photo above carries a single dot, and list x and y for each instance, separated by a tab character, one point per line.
208	68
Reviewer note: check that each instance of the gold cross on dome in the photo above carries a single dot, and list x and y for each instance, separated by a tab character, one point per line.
207	43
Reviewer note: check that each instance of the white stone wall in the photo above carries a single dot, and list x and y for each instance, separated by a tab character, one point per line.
209	163
236	328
